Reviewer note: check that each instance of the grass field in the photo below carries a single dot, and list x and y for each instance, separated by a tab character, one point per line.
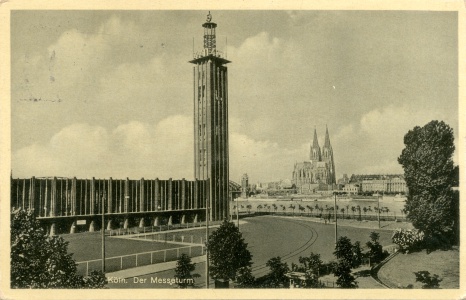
289	238
195	236
88	246
400	270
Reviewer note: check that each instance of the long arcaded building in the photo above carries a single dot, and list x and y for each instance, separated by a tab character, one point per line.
65	203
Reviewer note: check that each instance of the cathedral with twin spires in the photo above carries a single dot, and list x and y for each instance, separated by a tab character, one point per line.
318	173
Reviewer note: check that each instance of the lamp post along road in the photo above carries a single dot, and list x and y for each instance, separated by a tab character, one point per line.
103	234
207	240
237	212
336	222
378	208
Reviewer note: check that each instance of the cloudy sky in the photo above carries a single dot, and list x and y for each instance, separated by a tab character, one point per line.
109	93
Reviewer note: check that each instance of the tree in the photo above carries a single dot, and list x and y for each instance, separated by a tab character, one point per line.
429	173
345	279
41	261
302	209
183	270
428	281
311	266
227	252
376	253
357	254
244	278
276	278
292	207
344	252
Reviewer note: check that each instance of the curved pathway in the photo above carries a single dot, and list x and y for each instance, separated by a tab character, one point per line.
262	269
289	238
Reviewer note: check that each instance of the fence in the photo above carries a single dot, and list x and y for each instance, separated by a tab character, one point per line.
328	284
175	237
391	248
117	263
160	228
349	216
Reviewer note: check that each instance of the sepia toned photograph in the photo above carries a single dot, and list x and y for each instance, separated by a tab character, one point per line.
232	149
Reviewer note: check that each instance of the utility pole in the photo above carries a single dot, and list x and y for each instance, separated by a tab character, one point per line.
336	230
237	212
207	240
103	233
378	208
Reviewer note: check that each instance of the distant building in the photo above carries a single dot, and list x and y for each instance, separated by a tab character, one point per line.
394	183
351	188
317	174
344	180
244	186
274	188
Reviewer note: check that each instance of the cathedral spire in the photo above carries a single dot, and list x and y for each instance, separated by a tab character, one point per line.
327	139
315	154
327	156
315	142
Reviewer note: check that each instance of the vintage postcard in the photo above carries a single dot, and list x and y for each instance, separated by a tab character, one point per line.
239	150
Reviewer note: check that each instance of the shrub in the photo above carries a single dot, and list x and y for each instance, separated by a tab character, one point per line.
428	281
408	240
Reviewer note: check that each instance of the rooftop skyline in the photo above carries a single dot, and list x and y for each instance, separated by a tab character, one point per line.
109	93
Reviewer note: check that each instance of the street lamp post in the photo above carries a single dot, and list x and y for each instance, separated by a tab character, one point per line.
378	208
207	244
237	212
336	222
103	234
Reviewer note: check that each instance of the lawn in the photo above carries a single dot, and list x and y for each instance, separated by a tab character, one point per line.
399	272
289	238
195	236
88	246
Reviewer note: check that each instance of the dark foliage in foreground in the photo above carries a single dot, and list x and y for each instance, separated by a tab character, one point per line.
40	261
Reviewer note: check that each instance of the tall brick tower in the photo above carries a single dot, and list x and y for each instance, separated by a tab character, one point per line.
211	121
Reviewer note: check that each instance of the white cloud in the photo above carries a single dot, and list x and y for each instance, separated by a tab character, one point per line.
131	150
373	144
137	149
261	159
278	90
